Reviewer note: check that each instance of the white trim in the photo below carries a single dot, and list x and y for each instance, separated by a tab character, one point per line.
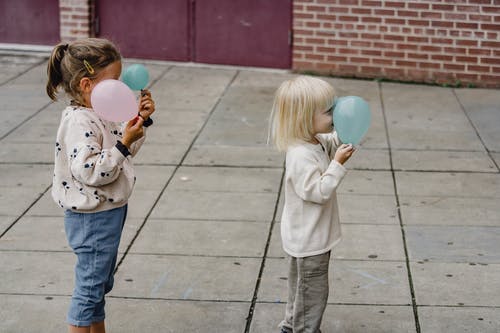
25	49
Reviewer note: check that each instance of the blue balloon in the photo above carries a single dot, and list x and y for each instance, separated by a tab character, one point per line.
351	118
136	77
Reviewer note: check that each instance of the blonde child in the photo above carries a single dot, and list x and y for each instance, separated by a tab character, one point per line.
301	125
93	172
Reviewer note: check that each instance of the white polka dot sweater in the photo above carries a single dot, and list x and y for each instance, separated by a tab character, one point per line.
91	173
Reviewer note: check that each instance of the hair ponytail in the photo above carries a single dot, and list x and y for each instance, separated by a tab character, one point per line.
69	63
54	73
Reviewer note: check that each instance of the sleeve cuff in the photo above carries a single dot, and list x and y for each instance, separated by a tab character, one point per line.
122	148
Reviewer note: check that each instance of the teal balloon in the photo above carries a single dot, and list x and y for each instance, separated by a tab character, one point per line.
351	118
136	77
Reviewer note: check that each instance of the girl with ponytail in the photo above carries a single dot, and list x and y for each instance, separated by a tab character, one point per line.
93	172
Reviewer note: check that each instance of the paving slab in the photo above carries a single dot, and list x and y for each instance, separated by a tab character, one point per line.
477	185
46	313
459	319
496	157
351	282
6	221
367	209
26	176
196	205
211	238
482	107
342	318
155	153
36	273
221	179
152	177
14	65
453	244
359	242
468	284
23	152
444	210
369	159
168	316
436	121
450	161
187	277
226	155
367	182
16	200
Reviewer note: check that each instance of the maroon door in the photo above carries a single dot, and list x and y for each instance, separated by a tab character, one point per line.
242	32
152	29
237	32
29	22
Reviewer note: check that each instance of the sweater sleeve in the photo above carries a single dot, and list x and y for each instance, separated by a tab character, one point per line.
309	182
90	163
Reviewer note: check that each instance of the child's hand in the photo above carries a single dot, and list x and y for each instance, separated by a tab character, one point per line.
146	104
343	153
133	131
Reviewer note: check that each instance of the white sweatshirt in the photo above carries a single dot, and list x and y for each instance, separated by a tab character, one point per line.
310	222
90	173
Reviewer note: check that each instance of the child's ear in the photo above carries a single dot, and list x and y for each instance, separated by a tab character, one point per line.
85	85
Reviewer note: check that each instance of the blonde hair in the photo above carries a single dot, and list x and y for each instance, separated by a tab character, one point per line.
295	102
69	63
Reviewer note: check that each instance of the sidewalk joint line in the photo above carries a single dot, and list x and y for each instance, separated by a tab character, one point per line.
401	224
475	129
176	167
264	256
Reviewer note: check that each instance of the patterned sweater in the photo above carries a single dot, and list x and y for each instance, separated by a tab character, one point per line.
91	173
310	222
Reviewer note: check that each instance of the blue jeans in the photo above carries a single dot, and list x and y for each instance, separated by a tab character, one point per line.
94	238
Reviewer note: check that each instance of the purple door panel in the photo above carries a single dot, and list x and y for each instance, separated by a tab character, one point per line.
241	32
152	29
29	22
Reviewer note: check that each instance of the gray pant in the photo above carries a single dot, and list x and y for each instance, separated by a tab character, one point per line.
307	293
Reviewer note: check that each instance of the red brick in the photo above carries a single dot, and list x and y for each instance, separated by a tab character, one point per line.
359	60
454	67
481	18
495	27
303	16
493	10
468	9
394	21
443	7
490	44
395	73
393	54
318	41
443	24
407	13
371	70
455	50
376	53
476	68
418	5
485	51
371	3
396	4
491	61
338	10
303	32
384	61
394	37
442	41
345	18
336	58
492	35
318	9
441	57
434	15
349	2
372	19
386	12
466	59
417	39
417	56
422	23
496	69
364	11
360	43
310	56
466	42
430	65
429	48
405	63
326	17
466	25
325	49
382	45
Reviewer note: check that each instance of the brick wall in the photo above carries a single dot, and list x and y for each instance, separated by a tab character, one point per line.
76	19
449	41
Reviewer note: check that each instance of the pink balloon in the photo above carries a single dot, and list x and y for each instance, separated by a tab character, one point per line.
113	100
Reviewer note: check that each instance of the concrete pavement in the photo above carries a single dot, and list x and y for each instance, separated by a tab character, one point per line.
201	248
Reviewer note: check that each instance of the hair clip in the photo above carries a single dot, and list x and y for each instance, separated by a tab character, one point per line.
88	67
